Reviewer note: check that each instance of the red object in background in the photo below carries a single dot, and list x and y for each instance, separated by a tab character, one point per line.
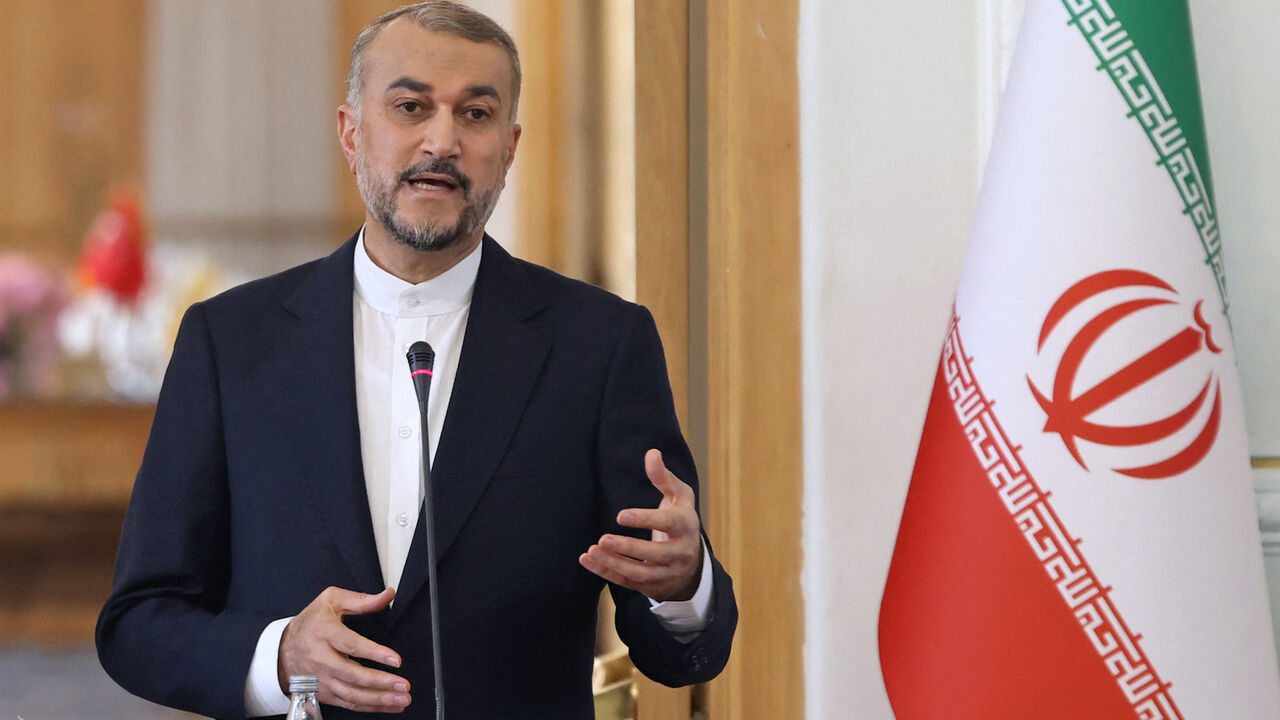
114	254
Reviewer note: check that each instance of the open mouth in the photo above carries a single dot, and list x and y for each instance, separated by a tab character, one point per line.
433	182
437	176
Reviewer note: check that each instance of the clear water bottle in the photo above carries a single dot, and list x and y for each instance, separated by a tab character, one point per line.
303	704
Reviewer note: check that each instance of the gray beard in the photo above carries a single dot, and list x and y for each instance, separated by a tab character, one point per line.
429	237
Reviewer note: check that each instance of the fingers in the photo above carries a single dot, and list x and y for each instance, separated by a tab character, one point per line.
676	515
348	642
316	642
666	567
620	570
369	691
673	578
663	479
354	603
674	522
648	551
348	684
361	698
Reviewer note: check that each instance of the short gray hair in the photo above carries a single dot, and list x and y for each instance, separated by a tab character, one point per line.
440	16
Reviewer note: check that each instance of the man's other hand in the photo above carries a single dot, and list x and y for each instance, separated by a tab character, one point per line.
316	642
666	567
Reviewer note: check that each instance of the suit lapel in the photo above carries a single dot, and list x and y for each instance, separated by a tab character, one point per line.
323	392
501	359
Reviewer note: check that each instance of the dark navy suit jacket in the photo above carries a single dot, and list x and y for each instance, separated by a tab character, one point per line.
251	497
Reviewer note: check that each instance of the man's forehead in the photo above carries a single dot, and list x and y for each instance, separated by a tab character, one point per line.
406	49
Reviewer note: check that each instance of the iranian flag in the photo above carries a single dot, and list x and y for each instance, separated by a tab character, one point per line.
1080	538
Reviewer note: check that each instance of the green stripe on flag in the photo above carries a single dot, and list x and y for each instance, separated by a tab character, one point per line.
1145	47
1163	31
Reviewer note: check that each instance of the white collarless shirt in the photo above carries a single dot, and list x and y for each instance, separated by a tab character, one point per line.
389	315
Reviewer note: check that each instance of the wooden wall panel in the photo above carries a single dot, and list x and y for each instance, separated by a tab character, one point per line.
66	473
538	182
73	118
62	454
754	393
662	183
662	230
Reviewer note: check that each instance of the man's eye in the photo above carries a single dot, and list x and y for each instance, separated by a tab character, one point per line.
410	106
477	113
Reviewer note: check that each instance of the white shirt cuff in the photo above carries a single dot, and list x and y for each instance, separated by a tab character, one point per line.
262	694
686	618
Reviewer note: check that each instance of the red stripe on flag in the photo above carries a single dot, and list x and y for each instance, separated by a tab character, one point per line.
990	610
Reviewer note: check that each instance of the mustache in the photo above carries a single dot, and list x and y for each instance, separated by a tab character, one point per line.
438	167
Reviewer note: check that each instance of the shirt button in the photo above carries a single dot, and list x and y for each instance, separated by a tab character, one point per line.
402	520
405	431
412	301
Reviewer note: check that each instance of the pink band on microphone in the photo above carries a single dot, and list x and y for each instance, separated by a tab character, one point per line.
416	373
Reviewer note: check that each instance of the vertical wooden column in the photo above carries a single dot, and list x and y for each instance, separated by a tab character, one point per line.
662	230
557	180
662	180
753	336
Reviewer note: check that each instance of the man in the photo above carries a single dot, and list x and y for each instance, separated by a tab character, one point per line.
277	505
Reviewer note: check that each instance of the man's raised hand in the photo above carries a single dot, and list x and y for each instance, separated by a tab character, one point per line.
666	567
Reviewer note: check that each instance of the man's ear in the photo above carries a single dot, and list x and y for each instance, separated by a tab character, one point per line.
347	128
511	150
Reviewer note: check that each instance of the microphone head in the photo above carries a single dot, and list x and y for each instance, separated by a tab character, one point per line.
421	357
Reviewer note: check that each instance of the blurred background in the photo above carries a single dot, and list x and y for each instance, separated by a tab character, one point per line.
786	179
160	151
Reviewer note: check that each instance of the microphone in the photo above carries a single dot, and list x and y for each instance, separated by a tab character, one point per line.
422	361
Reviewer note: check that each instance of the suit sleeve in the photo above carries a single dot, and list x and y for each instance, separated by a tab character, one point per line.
163	633
638	413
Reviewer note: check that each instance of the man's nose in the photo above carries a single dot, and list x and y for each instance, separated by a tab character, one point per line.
440	135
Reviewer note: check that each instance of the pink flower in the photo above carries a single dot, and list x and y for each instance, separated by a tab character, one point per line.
30	300
24	286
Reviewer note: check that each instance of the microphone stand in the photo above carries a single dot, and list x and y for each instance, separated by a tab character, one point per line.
421	362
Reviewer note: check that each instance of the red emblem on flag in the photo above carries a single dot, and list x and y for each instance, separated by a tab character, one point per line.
1068	413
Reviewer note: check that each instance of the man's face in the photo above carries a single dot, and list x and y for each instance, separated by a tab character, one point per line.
434	137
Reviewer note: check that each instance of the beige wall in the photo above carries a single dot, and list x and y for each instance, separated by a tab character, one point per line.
889	147
1237	56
